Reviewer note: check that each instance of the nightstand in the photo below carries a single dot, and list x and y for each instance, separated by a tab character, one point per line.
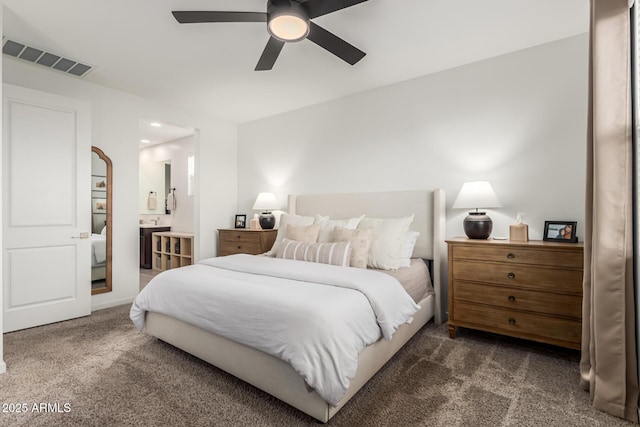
244	241
530	290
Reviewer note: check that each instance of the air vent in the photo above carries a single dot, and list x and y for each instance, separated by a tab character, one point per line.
52	60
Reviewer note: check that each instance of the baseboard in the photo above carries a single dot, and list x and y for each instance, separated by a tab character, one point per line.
109	304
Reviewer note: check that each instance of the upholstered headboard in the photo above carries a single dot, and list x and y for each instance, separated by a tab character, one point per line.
427	206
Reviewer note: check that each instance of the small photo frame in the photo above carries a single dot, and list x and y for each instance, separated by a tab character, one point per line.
99	205
560	231
241	221
98	183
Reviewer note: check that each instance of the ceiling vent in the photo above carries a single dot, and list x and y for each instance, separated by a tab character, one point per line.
47	59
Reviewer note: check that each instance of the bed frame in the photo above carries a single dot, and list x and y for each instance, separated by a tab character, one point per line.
98	273
278	378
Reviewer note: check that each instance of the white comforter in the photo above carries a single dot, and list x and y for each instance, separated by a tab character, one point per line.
316	317
98	249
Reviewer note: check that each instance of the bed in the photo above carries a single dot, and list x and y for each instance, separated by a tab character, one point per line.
278	377
98	256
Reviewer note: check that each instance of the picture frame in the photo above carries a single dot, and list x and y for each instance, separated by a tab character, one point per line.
560	231
241	221
99	205
98	183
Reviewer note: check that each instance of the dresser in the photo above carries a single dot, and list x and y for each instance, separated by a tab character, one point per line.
530	290
244	241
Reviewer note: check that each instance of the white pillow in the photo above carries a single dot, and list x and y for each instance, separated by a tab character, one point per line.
388	233
327	225
286	219
338	253
406	250
104	230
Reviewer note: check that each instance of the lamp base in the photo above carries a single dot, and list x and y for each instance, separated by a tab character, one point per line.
477	225
267	220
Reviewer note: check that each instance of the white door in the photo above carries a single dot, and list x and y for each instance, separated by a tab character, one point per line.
46	200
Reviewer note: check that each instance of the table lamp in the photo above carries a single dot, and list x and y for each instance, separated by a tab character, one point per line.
266	202
477	195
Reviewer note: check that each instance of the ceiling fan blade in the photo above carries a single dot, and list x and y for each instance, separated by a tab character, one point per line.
192	17
334	44
269	54
317	8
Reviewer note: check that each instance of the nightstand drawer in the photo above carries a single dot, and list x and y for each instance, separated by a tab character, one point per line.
240	236
229	248
506	254
518	323
519	299
557	279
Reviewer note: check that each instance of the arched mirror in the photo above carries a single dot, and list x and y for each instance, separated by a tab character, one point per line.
101	214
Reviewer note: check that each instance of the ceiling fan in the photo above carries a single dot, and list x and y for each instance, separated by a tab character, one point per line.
287	21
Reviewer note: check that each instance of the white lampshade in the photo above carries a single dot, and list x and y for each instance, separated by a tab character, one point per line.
476	194
265	202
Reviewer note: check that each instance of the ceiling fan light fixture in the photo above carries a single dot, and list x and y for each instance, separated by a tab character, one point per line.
288	28
287	23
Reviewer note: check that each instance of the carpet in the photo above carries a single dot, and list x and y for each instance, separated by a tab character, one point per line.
100	371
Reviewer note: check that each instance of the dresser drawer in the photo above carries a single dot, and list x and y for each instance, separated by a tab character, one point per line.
518	323
555	279
559	258
520	299
240	236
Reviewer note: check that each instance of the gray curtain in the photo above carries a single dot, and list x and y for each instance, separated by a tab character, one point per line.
608	366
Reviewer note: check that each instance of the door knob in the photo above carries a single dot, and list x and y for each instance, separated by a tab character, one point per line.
83	235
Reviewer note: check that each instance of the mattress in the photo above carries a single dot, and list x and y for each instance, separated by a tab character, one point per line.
415	279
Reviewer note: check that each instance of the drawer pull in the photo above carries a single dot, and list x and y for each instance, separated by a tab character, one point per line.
239	247
511	298
512	321
511	276
510	256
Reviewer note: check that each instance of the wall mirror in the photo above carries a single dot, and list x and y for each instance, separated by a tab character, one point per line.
155	182
101	226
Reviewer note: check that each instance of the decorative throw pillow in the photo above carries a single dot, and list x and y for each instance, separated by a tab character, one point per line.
327	225
285	220
360	240
387	240
325	253
406	250
301	233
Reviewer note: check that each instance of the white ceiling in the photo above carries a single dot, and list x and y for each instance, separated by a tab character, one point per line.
138	47
154	132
